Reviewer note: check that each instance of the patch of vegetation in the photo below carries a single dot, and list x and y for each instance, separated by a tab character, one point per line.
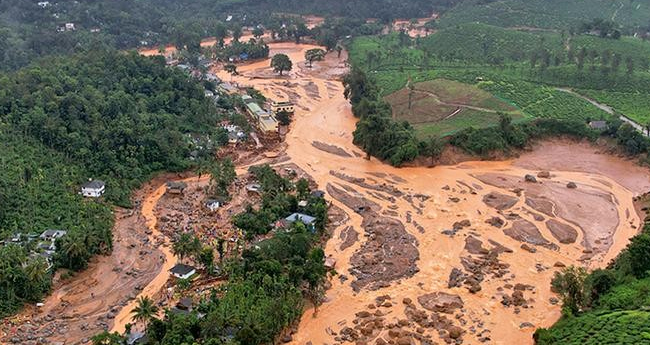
607	306
550	14
280	199
635	105
104	115
480	43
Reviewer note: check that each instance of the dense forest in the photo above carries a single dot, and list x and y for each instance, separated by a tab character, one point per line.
104	115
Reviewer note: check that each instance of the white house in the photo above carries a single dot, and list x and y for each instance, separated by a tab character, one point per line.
51	235
93	188
212	205
182	271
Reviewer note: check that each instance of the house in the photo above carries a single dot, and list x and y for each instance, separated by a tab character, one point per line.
212	205
302	203
208	93
282	106
265	120
599	125
137	338
212	77
93	188
228	88
235	134
253	188
175	187
47	246
182	271
52	235
184	306
185	303
309	221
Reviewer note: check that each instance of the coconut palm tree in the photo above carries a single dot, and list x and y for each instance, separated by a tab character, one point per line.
144	311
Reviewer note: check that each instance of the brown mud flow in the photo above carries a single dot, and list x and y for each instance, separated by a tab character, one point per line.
435	255
454	254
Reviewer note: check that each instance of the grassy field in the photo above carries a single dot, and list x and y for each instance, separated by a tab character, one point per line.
550	14
440	107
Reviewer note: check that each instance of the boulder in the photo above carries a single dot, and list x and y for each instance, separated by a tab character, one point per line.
441	302
455	278
571	185
526	325
455	332
530	178
496	222
462	224
528	248
544	174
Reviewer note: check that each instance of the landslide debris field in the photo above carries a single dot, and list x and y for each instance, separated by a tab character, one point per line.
453	253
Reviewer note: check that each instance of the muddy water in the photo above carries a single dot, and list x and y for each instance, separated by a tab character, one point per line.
454	194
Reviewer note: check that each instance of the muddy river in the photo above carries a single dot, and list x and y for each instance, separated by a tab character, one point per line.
465	251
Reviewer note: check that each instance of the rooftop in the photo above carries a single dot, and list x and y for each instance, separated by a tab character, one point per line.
176	185
94	184
598	124
181	269
306	219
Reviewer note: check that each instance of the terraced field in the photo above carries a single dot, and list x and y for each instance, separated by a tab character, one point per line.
440	107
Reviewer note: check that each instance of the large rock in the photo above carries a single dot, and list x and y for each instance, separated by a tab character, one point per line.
496	222
571	185
441	302
456	278
530	178
544	174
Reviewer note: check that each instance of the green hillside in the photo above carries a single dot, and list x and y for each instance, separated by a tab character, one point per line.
549	14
